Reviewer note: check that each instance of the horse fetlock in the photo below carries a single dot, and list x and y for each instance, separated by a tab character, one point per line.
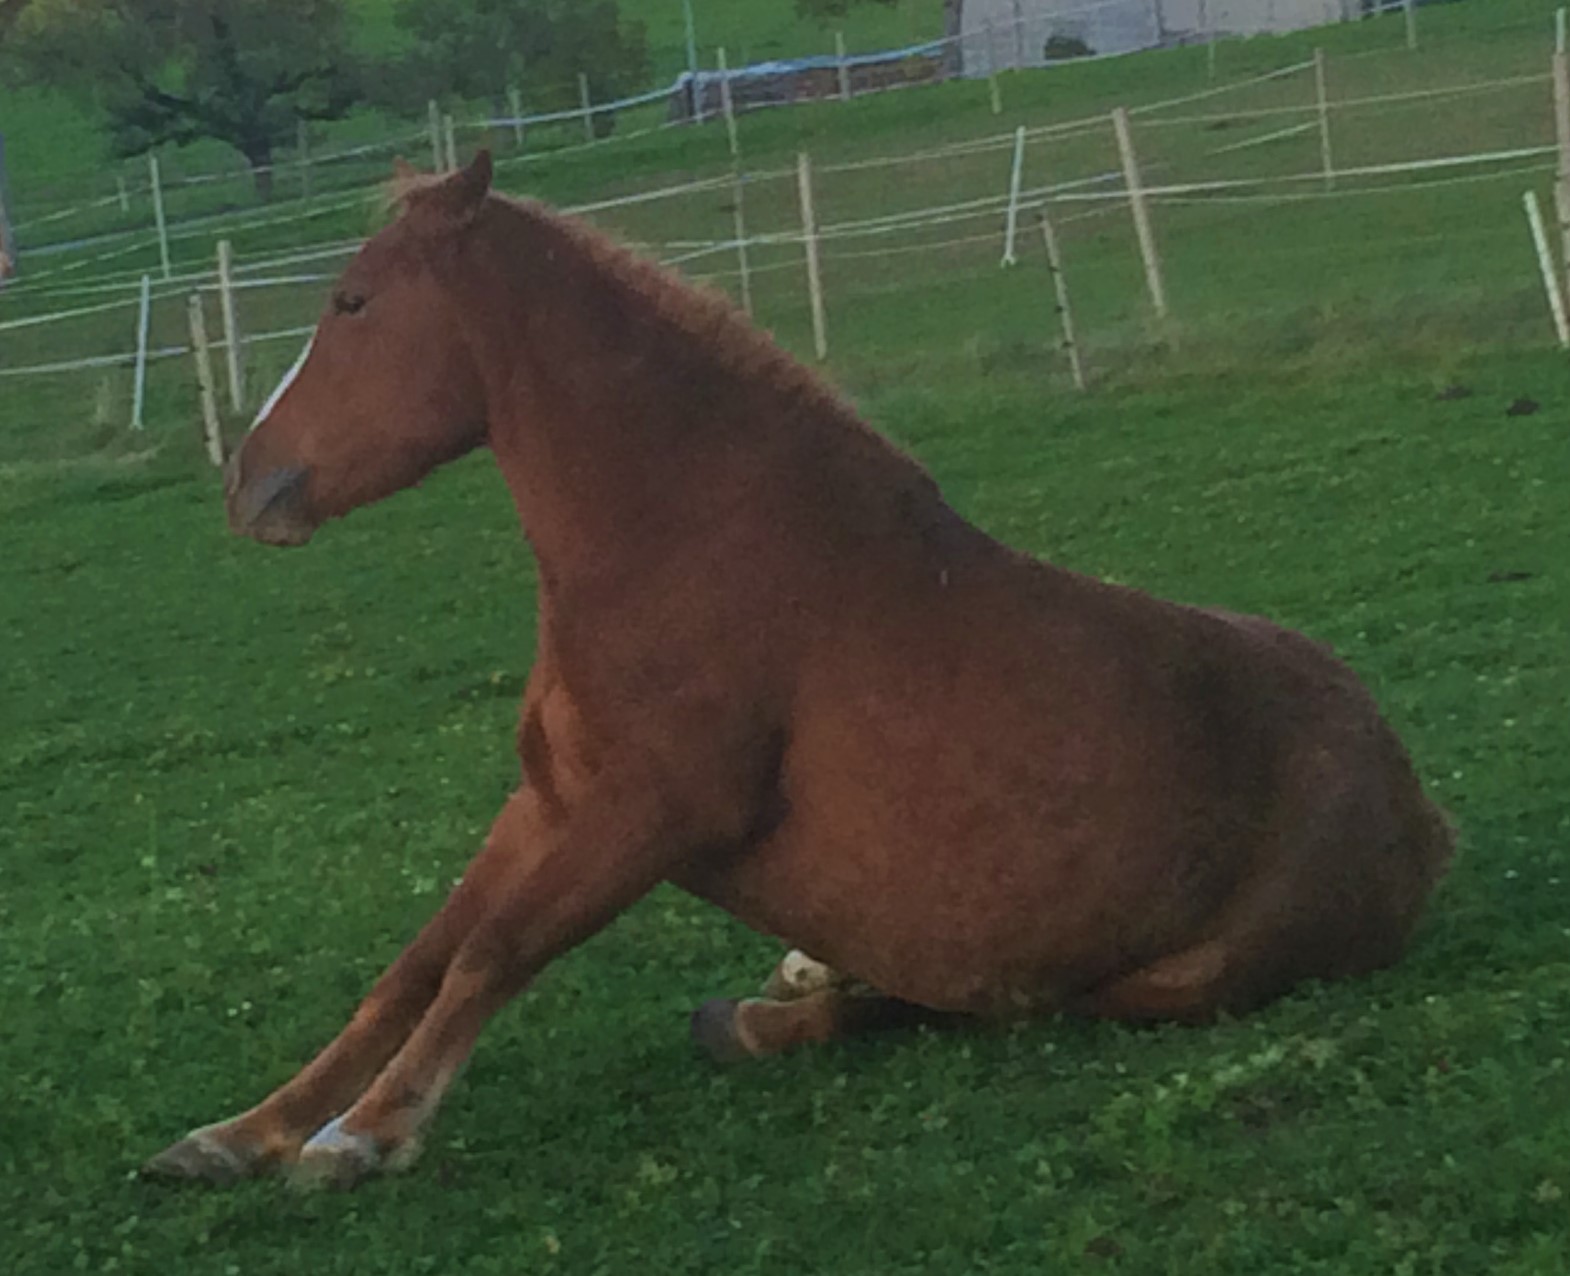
799	975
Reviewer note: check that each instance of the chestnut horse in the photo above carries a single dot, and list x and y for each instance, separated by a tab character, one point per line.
775	668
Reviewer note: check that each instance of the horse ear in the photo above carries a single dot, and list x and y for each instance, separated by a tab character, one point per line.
454	201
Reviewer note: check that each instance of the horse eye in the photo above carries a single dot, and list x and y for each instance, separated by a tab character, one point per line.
348	303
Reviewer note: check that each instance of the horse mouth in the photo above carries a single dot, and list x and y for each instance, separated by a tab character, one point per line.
271	509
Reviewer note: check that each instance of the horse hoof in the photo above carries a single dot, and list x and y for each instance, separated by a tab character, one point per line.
717	1032
799	975
335	1158
202	1156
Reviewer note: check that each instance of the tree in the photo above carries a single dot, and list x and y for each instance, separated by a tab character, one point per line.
953	20
242	71
478	48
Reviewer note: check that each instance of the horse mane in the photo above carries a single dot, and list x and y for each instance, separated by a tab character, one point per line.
699	312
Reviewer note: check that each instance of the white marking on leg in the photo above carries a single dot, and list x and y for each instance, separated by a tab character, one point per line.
333	1138
283	386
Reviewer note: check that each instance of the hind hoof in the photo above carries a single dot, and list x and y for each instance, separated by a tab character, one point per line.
716	1030
336	1158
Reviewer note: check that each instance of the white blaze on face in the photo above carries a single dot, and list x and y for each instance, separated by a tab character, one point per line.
283	386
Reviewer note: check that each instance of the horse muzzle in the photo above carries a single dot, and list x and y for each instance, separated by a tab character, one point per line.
271	508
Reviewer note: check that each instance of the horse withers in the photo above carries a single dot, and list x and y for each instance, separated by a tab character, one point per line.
777	669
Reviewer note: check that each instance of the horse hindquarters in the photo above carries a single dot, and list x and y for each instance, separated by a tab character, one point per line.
1358	849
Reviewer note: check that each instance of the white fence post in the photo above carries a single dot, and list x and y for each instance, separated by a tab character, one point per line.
588	106
158	214
125	196
844	66
1136	200
1016	178
231	325
1545	262
515	100
1019	36
727	106
1411	23
144	319
1209	29
450	137
1060	287
1326	158
434	119
809	236
212	435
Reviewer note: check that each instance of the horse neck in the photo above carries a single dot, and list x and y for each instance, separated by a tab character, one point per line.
620	424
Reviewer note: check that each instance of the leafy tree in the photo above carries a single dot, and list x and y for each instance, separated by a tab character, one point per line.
478	48
241	71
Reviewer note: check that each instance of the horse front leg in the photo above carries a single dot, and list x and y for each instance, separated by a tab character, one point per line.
272	1133
597	861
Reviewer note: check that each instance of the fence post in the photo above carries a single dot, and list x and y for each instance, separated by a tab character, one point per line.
1326	158
1561	79
125	196
1019	36
844	66
1137	204
809	237
992	69
231	324
515	100
1559	30
303	145
158	215
212	435
144	320
588	116
1545	262
450	137
727	106
1016	177
1411	22
1209	28
1060	287
1157	28
434	119
739	222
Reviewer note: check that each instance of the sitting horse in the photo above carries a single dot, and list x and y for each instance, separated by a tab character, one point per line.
776	669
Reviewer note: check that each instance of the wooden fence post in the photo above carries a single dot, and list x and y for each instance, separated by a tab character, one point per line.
588	106
1137	204
144	319
1545	262
809	235
303	145
1060	287
739	223
212	434
727	106
1326	158
231	325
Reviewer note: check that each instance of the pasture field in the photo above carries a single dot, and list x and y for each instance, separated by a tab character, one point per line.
233	781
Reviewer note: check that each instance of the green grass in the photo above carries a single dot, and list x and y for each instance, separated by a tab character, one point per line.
234	782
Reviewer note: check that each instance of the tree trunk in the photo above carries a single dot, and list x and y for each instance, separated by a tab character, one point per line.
259	155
